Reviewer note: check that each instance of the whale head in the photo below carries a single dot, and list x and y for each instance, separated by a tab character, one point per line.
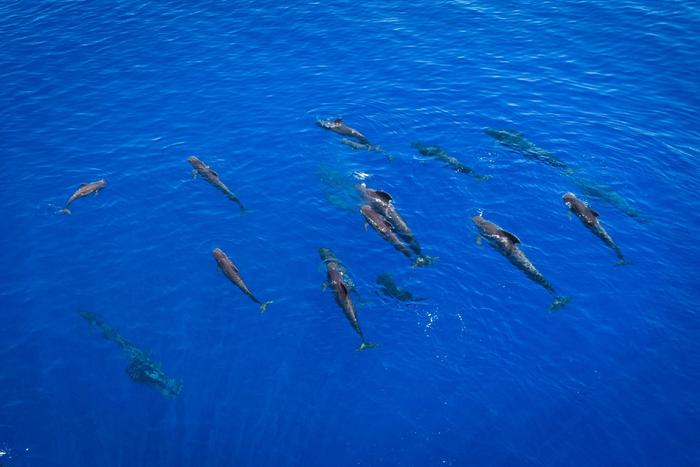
326	254
485	227
218	253
569	197
195	162
329	124
479	221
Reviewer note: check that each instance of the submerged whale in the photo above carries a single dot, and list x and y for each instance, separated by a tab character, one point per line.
141	368
438	153
506	243
590	219
366	146
341	289
607	194
208	174
231	271
85	189
516	142
390	289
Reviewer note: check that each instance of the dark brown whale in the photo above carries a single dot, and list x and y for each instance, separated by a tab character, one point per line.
208	174
231	271
85	189
506	243
590	219
336	281
382	202
383	227
337	126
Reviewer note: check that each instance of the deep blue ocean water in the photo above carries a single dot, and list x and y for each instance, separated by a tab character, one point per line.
478	373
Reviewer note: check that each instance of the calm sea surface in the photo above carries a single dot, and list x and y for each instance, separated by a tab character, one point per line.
478	371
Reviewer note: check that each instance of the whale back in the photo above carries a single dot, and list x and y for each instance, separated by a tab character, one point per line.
510	236
383	195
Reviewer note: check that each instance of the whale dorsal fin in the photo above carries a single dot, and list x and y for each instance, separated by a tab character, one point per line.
383	195
83	184
214	173
509	235
594	213
338	120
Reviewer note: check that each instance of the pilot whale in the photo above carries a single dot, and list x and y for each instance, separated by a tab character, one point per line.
382	202
85	189
589	218
607	194
516	142
438	153
231	271
383	227
337	126
390	289
208	174
141	369
366	146
506	243
341	289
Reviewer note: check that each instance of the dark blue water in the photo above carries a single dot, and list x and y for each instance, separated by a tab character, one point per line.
478	373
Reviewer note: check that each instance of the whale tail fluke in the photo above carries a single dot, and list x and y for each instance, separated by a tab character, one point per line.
623	262
238	202
263	306
559	303
424	260
366	345
230	195
64	211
